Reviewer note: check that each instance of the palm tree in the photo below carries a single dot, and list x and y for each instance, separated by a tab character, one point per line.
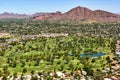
15	75
32	73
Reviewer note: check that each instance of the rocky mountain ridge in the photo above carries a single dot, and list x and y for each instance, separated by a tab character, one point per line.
13	15
76	14
81	13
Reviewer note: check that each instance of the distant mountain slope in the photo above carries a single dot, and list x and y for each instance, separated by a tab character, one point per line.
81	13
12	15
48	16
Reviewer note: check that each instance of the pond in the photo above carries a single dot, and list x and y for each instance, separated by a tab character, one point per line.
92	55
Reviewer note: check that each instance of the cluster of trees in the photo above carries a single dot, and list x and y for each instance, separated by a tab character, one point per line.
37	27
60	53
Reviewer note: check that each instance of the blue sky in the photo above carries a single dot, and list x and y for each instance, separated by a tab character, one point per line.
32	6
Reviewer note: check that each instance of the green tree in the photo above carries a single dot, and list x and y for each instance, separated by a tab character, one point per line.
24	70
15	75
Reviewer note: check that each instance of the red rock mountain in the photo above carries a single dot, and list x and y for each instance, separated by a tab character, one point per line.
48	16
81	13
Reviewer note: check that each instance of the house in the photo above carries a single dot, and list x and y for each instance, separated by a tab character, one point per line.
1	78
107	79
117	51
52	74
60	74
27	77
115	77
